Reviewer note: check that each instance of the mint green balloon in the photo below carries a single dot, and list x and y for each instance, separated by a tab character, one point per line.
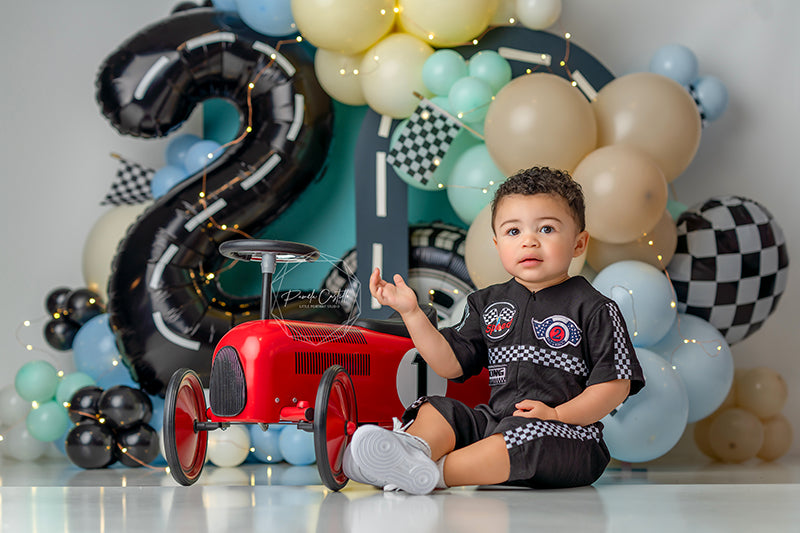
47	422
36	381
70	384
474	180
470	98
442	69
491	67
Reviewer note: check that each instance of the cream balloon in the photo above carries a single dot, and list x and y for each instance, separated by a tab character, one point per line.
230	447
539	119
391	72
651	112
339	76
762	391
777	438
446	23
701	428
102	242
344	26
655	247
480	254
506	13
625	191
735	435
538	14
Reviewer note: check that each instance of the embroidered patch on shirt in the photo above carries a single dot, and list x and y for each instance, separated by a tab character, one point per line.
498	319
497	375
557	331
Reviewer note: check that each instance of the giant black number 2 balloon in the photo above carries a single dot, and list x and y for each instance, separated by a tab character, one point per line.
166	310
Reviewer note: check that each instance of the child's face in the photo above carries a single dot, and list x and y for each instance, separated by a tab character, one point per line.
537	237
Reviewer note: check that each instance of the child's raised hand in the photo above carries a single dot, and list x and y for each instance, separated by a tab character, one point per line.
398	296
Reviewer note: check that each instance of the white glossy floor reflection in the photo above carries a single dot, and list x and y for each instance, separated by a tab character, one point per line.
55	496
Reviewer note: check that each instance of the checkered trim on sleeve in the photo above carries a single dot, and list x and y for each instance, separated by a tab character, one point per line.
533	354
622	357
543	428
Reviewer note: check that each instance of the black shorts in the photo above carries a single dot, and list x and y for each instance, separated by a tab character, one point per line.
542	453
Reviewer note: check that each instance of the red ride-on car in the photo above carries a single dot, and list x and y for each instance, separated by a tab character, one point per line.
273	371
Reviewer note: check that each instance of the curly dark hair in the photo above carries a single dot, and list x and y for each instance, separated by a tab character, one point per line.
544	180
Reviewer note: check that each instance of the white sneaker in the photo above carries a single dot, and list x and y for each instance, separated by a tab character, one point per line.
382	457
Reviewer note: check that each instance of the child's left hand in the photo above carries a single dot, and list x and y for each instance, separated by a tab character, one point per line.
535	409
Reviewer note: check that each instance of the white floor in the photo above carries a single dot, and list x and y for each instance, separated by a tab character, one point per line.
55	496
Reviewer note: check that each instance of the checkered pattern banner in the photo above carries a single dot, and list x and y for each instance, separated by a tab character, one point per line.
131	185
533	354
423	142
730	265
540	428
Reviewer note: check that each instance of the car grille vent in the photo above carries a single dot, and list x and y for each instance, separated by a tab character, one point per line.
320	334
356	364
228	390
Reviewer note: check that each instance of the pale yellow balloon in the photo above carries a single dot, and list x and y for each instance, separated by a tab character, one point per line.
655	247
446	23
506	13
762	391
654	113
345	26
338	74
735	435
481	257
625	192
391	72
777	438
539	120
101	245
701	428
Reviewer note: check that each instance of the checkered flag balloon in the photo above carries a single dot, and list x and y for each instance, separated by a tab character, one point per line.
423	142
131	185
730	266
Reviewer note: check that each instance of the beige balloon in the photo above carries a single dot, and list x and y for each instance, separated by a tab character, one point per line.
480	253
655	247
762	391
736	435
345	26
651	112
339	76
539	119
391	72
777	438
701	428
446	23
505	14
625	192
102	242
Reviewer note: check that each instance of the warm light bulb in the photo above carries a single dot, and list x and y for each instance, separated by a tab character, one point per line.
441	185
342	71
202	194
512	20
26	323
251	85
355	71
567	35
574	83
114	362
299	38
436	162
29	348
563	63
430	36
249	129
474	41
34	404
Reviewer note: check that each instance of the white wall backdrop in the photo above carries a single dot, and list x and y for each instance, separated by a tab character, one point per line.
55	144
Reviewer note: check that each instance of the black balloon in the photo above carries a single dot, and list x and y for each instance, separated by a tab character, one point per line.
83	305
83	404
60	333
137	445
123	406
56	301
91	445
166	313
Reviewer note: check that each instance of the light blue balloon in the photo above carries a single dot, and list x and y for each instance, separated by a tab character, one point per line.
675	61
700	355
177	148
442	69
712	96
648	424
645	297
36	381
165	178
470	98
200	155
95	348
116	375
157	419
48	421
297	446
70	383
473	182
224	5
269	17
491	67
266	444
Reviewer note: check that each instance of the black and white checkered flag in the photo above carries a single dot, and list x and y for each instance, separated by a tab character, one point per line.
131	186
423	142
